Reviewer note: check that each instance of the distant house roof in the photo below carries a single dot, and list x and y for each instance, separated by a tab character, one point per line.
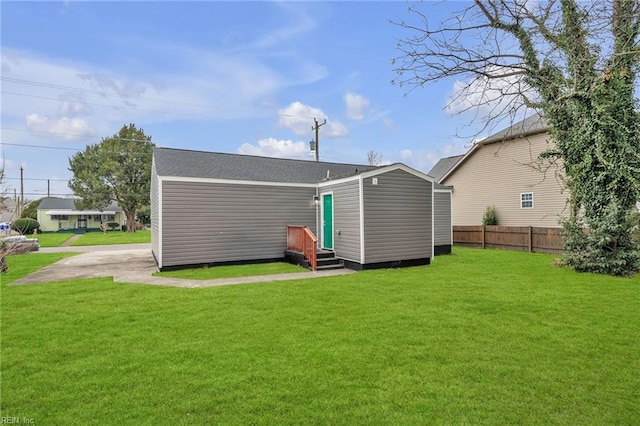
215	165
443	166
529	126
53	203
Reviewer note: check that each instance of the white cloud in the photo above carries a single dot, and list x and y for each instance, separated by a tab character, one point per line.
357	106
299	118
424	160
65	127
73	105
210	85
390	125
406	154
6	163
271	147
487	97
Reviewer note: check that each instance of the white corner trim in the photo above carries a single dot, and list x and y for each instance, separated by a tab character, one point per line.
433	222
159	183
361	205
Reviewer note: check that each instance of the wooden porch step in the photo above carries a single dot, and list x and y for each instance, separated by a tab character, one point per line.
326	259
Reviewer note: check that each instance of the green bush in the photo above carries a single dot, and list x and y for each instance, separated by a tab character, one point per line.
25	225
490	216
113	226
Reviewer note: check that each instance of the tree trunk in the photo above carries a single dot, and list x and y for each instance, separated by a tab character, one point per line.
131	221
3	264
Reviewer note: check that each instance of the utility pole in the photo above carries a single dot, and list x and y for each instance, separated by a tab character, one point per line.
48	187
21	202
316	127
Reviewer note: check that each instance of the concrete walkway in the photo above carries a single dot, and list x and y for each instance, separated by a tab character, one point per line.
129	264
71	240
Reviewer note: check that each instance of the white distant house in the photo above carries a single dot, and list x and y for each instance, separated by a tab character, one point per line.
61	214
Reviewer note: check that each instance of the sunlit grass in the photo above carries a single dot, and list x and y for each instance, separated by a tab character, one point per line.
479	337
113	237
53	239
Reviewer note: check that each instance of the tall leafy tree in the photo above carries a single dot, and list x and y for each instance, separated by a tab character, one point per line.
116	169
576	63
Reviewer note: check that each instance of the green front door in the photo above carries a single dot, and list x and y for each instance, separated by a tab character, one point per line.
327	221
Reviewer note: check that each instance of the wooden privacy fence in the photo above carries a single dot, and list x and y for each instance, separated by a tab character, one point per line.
521	238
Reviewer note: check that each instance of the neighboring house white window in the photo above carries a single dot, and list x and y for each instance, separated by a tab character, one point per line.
59	217
526	200
108	217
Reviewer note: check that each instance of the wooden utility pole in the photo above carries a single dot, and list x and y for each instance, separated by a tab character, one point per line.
48	187
21	202
316	127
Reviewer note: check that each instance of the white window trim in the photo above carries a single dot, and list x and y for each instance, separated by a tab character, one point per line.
532	200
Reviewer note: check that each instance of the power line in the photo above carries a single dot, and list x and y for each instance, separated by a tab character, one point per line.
119	95
40	146
44	195
49	133
42	179
96	92
95	104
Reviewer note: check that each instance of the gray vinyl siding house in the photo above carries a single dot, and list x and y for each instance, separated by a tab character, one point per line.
213	208
442	222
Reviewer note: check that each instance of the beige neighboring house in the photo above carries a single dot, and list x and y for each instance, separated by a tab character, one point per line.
60	214
502	171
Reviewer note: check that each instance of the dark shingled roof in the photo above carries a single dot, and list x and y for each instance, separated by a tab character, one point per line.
215	165
528	126
443	166
52	203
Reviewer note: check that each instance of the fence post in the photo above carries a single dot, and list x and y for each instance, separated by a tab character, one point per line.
530	240
482	236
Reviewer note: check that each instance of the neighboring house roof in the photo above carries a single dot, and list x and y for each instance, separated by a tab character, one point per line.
443	166
215	165
529	126
52	203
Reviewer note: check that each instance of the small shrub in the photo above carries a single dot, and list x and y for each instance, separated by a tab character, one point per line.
113	226
25	225
490	216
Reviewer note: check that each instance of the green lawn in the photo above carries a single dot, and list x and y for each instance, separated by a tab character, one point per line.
479	337
113	237
231	271
53	240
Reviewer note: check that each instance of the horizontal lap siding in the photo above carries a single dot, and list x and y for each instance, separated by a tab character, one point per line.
155	212
397	217
496	175
442	218
212	222
346	219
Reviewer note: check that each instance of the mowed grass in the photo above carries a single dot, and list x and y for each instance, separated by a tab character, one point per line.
53	240
479	337
113	237
232	271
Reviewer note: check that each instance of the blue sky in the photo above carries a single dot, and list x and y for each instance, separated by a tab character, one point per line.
238	77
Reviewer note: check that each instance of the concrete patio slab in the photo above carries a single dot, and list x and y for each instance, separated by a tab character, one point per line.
136	265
